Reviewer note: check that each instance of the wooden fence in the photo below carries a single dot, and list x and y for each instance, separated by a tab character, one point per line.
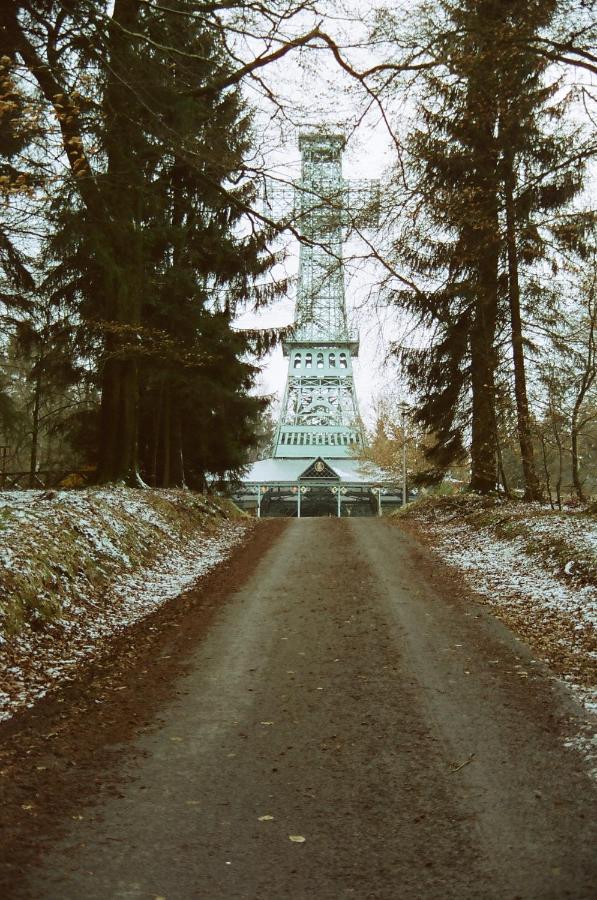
43	480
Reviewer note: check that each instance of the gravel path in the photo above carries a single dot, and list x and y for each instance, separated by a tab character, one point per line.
350	725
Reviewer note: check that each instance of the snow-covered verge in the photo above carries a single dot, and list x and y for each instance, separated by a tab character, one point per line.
76	567
536	568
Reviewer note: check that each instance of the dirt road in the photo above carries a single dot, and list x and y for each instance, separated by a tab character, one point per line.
348	695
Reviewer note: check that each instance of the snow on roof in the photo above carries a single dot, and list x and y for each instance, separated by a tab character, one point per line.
352	471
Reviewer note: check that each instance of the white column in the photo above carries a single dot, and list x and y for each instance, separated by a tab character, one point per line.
258	501
298	502
339	502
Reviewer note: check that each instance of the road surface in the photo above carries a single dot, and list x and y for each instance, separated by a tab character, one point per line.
351	726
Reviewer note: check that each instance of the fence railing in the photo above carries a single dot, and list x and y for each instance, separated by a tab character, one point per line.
44	479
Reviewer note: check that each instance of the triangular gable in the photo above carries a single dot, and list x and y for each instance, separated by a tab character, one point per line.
319	469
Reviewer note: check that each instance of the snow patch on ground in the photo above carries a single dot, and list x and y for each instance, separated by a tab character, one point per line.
537	570
133	551
496	568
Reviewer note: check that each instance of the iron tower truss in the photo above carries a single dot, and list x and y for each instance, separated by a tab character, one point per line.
320	413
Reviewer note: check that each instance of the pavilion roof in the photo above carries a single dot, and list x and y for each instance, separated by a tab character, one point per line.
288	471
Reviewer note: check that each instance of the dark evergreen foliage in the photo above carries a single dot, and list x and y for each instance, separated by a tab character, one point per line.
146	242
491	166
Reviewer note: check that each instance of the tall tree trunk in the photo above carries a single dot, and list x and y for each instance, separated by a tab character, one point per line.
35	429
525	438
484	240
500	460
574	448
586	382
558	439
546	470
155	435
118	418
177	461
123	267
166	436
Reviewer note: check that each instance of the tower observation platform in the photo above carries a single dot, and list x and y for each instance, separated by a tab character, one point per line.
315	469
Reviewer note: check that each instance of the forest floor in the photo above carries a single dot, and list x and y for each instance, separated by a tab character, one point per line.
79	567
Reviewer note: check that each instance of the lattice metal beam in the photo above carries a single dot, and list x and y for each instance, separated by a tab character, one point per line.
320	405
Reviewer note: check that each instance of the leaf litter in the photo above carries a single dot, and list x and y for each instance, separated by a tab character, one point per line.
78	567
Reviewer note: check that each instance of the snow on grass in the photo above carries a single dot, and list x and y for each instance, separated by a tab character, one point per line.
538	570
76	567
507	572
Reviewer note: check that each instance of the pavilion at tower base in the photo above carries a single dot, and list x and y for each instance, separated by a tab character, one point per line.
314	469
307	486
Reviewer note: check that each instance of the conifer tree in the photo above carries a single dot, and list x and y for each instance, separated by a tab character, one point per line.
455	158
490	165
145	232
541	171
199	266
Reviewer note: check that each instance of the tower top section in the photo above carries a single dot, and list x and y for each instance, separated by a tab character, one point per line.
312	142
320	207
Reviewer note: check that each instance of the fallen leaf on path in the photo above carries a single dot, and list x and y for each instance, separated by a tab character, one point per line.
457	768
267	723
266	818
297	838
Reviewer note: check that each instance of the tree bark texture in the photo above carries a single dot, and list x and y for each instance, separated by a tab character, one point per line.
484	241
525	438
35	429
124	268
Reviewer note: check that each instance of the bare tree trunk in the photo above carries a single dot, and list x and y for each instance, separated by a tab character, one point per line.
588	377
525	438
166	441
574	448
500	460
484	237
558	440
546	470
155	435
178	478
35	429
123	272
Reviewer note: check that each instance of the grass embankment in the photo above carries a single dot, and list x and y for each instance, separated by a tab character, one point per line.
78	568
57	547
535	567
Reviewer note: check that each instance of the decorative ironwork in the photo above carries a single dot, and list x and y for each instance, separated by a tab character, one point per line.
320	406
319	470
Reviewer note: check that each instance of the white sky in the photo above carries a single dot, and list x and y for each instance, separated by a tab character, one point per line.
313	90
316	92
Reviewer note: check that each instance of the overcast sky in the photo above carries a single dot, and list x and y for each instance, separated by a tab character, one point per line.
315	92
312	91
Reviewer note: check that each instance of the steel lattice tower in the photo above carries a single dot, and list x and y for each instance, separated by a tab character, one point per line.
320	414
